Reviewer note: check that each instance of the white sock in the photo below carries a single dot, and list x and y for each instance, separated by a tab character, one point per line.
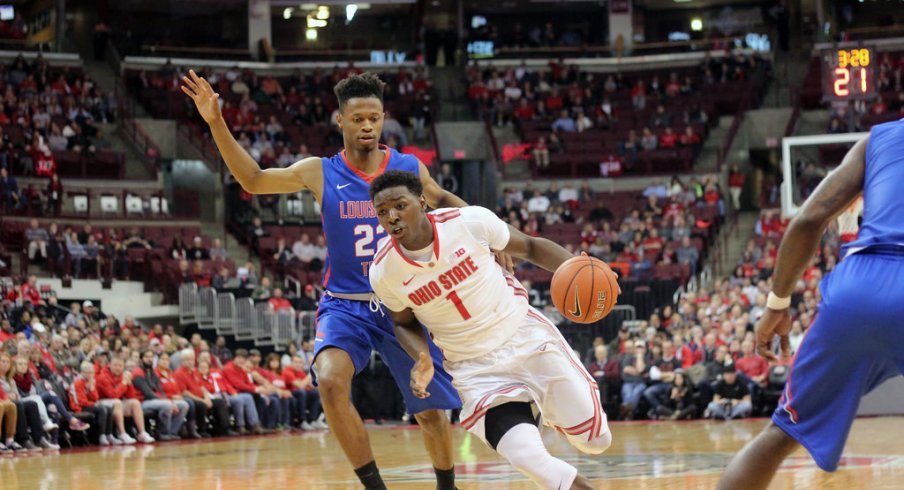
523	447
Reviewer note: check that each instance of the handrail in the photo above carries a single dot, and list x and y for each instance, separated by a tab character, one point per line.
199	140
500	166
795	113
608	50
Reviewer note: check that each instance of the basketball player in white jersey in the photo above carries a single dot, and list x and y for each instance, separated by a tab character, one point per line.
505	358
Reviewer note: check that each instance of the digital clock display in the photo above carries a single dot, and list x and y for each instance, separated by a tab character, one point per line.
849	74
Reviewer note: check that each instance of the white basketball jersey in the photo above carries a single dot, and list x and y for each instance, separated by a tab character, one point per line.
847	220
463	297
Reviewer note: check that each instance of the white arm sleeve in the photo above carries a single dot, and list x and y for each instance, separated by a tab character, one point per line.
486	227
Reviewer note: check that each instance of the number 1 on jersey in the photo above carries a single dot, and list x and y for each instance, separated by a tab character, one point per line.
453	297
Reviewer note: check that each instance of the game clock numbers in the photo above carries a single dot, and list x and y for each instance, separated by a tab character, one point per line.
849	74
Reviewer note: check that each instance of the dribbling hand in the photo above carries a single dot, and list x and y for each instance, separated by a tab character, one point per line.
421	375
206	100
772	323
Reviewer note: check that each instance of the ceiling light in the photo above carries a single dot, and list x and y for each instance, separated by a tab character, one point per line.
314	23
287	13
350	12
696	25
310	34
323	12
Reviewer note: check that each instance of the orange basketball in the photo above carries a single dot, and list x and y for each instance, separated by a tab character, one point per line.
584	289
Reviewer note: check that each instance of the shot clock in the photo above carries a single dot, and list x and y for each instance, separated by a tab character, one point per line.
849	74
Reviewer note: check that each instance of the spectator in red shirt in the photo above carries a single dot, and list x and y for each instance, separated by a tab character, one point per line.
753	367
668	139
242	404
192	389
114	384
280	397
307	397
653	242
278	302
690	138
735	185
239	373
84	398
6	331
711	195
524	111
29	291
606	372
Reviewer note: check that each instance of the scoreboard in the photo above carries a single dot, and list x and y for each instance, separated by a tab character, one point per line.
849	74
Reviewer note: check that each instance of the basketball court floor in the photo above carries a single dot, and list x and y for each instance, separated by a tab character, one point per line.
644	455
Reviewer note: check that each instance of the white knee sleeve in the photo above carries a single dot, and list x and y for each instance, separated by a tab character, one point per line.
523	447
594	446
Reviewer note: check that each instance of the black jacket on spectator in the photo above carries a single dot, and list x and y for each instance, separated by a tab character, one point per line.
149	384
198	253
734	391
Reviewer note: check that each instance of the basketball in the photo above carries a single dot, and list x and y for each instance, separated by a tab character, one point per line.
584	289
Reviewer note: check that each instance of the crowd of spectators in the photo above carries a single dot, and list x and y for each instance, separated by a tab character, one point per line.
659	232
65	371
647	111
47	113
272	116
697	358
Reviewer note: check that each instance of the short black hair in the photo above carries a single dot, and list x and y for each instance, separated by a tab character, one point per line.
364	85
396	178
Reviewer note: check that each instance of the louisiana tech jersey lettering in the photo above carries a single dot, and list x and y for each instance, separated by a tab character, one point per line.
349	222
883	201
463	297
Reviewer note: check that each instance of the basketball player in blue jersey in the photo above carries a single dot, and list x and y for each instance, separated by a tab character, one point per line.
857	341
350	321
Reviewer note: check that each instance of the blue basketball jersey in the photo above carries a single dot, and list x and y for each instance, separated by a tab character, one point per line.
883	199
350	223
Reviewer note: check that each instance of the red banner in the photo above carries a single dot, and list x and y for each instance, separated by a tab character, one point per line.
426	156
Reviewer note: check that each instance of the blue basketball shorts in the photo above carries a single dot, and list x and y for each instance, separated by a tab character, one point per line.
855	344
352	327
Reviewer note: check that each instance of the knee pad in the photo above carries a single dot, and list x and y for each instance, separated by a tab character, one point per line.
523	447
594	446
500	419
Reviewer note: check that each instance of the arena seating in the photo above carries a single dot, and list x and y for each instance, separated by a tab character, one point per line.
584	151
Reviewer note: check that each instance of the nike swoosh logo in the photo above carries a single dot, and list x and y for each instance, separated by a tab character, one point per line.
577	304
405	283
340	187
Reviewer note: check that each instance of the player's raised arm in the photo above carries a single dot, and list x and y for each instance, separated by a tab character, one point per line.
246	171
436	196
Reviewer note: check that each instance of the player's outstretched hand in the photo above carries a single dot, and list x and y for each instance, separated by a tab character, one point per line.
421	375
206	100
772	323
